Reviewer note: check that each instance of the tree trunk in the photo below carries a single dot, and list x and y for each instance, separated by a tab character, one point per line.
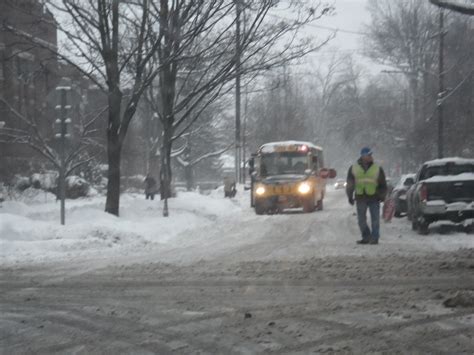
413	82
165	172
114	151
189	176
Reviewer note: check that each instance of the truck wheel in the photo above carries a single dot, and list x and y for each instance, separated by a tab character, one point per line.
414	224
420	224
259	208
470	228
423	228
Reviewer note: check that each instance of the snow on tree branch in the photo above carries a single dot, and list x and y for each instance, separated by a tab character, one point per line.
79	153
211	155
463	7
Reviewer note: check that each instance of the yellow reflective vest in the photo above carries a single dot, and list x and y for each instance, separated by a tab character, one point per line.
366	181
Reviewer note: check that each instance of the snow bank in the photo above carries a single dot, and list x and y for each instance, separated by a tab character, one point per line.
30	232
200	227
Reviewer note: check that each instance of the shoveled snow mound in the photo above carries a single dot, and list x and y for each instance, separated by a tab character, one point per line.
200	227
32	233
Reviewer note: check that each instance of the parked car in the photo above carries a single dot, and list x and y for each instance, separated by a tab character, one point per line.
443	190
399	194
340	184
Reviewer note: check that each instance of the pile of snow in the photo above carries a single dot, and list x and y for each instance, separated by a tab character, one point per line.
30	230
76	187
21	183
200	227
45	181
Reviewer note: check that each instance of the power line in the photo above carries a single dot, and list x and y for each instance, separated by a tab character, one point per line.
338	29
359	33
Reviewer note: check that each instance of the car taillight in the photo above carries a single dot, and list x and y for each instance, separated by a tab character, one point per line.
424	193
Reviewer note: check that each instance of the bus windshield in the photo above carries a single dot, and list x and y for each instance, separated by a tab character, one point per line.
283	163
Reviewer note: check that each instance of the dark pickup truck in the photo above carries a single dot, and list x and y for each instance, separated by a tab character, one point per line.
443	190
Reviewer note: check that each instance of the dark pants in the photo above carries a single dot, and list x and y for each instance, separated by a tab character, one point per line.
374	208
149	195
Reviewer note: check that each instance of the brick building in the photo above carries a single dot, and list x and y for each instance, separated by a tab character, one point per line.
29	74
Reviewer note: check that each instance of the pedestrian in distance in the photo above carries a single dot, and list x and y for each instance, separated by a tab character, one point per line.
230	188
150	187
367	187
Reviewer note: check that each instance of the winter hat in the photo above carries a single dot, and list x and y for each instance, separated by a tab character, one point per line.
365	151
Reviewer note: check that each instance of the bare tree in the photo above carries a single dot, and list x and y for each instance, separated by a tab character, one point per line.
403	35
326	83
188	164
83	147
198	60
463	7
122	46
112	43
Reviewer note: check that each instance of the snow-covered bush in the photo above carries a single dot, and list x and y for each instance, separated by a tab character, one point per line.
76	187
45	181
3	192
133	183
21	183
92	172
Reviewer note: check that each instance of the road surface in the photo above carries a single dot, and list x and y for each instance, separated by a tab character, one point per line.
293	283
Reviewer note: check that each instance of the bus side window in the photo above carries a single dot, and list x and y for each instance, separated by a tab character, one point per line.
315	164
320	159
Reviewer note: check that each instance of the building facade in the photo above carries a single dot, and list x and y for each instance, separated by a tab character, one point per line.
29	74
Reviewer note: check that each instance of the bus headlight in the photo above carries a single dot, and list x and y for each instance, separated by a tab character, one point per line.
260	190
304	188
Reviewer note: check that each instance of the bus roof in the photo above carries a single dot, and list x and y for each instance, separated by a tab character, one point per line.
277	146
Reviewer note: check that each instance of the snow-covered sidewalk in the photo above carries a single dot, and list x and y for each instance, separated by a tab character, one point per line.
200	227
30	230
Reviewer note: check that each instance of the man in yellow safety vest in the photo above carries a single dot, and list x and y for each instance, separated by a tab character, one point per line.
366	184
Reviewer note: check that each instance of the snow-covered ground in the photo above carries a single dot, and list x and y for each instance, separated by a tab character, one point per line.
200	227
214	278
30	230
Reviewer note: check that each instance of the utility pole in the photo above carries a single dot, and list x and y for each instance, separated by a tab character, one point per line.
62	127
244	136
238	156
441	90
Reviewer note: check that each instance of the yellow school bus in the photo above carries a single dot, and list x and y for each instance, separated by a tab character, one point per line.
288	174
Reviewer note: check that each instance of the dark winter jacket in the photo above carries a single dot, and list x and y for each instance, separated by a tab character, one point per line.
381	186
150	185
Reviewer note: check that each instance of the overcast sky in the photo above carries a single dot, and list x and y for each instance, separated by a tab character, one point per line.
350	15
349	18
